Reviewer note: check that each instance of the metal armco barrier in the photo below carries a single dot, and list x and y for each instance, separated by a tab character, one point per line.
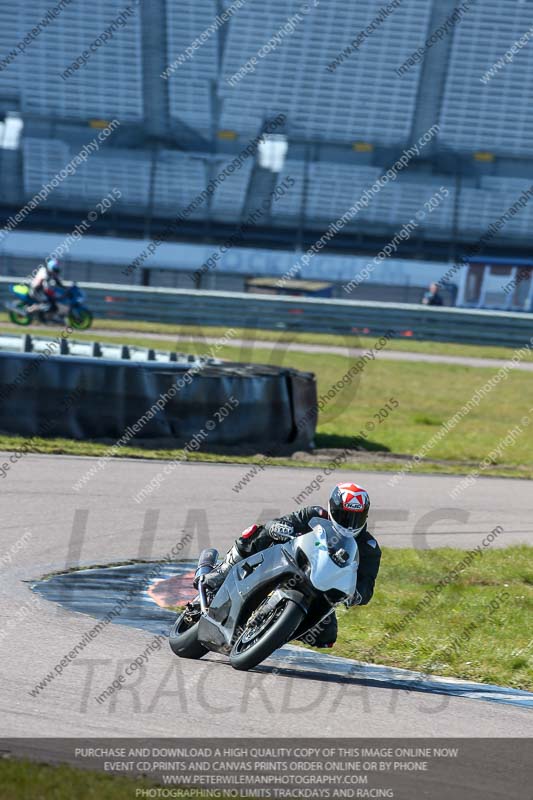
98	398
237	309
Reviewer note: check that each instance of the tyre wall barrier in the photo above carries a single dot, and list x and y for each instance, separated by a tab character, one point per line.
98	398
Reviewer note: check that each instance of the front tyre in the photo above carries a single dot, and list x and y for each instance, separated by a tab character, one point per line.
263	635
183	638
80	319
19	316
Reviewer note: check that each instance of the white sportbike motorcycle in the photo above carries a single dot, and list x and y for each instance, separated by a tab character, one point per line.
268	598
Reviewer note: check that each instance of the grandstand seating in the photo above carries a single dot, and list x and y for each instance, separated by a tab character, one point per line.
42	159
127	170
230	196
405	200
362	99
180	177
108	86
496	116
10	34
287	210
480	208
333	188
191	86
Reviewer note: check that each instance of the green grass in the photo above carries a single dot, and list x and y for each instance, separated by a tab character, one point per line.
406	344
428	395
312	464
24	780
493	646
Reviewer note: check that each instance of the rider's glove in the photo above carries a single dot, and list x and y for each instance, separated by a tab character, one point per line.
280	531
354	600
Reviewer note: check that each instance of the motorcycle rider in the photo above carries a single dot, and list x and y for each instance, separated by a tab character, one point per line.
43	285
348	511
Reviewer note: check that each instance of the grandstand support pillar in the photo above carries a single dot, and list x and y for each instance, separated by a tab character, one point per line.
149	211
433	75
262	182
455	218
154	62
308	155
12	175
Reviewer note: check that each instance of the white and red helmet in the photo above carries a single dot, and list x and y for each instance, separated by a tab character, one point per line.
348	508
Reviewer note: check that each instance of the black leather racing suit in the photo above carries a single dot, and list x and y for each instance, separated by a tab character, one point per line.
259	537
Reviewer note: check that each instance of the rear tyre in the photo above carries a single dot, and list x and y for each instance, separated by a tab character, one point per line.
19	315
183	638
260	639
81	319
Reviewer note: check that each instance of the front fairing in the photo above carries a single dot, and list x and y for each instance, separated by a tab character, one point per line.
21	291
319	545
77	297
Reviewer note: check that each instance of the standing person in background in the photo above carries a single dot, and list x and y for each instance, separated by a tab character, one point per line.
432	296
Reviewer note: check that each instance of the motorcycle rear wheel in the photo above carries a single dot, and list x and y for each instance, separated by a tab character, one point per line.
80	320
183	639
259	640
20	318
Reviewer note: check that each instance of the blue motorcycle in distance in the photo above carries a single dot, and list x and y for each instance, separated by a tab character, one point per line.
70	302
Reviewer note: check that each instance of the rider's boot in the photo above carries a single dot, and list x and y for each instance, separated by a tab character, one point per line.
323	634
217	576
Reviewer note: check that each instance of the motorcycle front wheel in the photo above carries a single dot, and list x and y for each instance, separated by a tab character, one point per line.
263	635
183	638
80	319
19	316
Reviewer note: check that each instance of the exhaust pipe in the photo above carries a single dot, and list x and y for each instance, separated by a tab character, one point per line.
206	562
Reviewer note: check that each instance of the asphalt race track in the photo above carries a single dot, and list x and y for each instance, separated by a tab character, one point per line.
101	523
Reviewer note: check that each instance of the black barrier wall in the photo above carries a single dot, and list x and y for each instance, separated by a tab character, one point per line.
229	405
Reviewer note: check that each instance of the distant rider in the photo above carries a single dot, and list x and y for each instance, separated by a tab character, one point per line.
348	511
44	284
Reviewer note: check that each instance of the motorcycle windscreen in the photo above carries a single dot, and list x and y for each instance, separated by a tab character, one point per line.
318	545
